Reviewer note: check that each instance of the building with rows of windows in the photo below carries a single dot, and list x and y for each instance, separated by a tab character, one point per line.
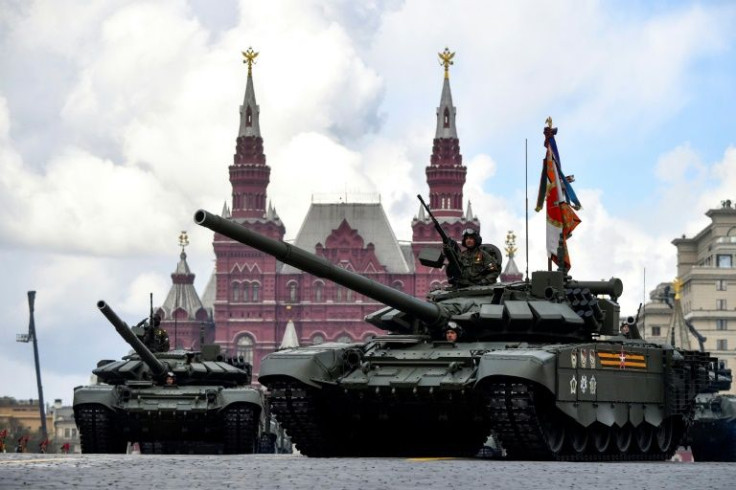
707	273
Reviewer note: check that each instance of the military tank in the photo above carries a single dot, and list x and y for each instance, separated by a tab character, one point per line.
180	401
712	435
538	364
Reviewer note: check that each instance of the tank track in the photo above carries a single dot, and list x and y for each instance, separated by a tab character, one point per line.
519	418
240	426
358	424
97	431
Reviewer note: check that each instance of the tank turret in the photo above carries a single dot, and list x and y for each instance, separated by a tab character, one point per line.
158	368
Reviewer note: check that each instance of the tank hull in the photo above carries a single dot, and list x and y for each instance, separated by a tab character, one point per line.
414	396
175	419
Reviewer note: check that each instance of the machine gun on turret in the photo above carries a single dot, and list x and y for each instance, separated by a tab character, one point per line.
450	249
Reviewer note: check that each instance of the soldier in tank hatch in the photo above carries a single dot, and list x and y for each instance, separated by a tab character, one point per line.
155	337
477	266
452	332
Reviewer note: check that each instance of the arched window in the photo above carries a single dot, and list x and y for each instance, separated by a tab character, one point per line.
292	292
236	292
349	295
248	116
246	290
319	287
345	339
244	348
317	339
338	293
446	118
255	289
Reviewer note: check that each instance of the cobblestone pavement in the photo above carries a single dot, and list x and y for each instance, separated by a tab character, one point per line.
41	471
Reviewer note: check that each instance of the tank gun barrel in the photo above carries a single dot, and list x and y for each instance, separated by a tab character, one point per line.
157	367
318	266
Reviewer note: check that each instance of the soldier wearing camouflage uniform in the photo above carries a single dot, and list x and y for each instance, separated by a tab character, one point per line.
478	266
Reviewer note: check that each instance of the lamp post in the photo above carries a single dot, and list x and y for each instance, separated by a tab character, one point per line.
25	338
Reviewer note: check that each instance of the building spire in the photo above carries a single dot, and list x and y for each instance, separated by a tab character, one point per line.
249	111
446	173
249	174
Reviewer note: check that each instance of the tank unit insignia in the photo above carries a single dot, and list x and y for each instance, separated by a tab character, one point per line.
591	356
573	385
583	383
593	385
622	360
583	359
574	359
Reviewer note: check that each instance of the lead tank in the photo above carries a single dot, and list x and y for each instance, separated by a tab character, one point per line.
180	401
539	365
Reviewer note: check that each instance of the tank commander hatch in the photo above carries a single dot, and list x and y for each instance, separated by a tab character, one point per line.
478	267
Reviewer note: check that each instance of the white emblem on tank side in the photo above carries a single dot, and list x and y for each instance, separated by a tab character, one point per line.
593	385
573	385
574	358
591	353
583	383
583	358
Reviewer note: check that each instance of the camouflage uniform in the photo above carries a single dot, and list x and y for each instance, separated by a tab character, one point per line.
478	267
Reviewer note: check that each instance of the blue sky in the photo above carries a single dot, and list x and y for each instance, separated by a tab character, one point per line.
118	120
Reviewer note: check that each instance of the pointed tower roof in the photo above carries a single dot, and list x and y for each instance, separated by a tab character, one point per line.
422	215
182	294
290	339
446	173
249	174
511	272
446	111
469	213
249	111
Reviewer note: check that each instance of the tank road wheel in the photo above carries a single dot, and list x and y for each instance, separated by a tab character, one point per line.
665	436
239	426
644	435
623	437
578	438
555	435
601	437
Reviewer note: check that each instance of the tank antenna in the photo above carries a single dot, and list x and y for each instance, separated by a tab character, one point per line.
526	203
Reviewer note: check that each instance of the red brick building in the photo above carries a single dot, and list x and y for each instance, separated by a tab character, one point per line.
251	297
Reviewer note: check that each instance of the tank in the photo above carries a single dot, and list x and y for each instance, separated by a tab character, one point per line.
539	365
712	435
179	401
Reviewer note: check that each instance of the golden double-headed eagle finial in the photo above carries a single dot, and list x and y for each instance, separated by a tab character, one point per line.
250	58
183	240
446	60
511	244
549	121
